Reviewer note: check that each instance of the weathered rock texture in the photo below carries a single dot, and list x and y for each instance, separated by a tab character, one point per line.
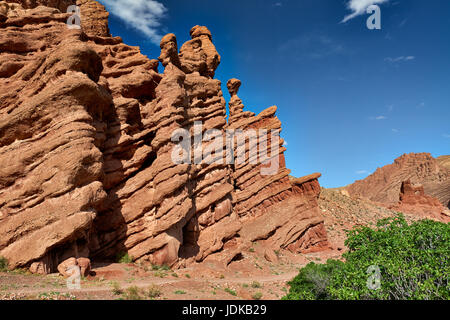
420	168
85	150
414	200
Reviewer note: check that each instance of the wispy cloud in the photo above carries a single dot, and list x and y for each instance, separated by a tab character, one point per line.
402	23
278	4
362	172
378	118
446	135
359	7
395	130
399	59
142	15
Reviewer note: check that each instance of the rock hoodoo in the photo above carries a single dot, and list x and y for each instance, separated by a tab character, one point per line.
86	123
414	200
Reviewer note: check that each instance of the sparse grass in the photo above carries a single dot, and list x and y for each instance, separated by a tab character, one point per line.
256	285
257	296
230	291
12	296
160	274
3	264
133	293
180	292
56	296
153	292
160	268
124	257
116	289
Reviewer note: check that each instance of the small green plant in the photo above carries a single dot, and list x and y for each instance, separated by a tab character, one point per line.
256	285
245	285
160	274
257	296
180	292
187	275
165	267
133	293
251	249
153	292
56	296
116	289
124	257
230	291
222	276
3	264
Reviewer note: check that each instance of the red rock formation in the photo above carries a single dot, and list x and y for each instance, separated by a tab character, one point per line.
421	168
413	200
86	164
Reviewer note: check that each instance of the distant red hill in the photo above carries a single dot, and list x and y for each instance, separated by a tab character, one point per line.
419	168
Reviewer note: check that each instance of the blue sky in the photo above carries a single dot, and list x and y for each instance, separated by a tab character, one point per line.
350	99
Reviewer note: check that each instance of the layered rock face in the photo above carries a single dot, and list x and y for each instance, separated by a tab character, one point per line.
414	200
420	168
86	150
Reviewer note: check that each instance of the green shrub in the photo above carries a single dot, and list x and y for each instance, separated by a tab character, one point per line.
256	284
116	289
180	292
3	264
312	281
133	293
230	291
153	292
413	261
124	257
257	296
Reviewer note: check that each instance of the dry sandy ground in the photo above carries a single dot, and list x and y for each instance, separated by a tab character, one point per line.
252	277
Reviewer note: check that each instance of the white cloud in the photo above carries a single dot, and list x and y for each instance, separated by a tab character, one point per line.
378	118
359	7
395	130
278	4
399	59
362	172
446	135
142	15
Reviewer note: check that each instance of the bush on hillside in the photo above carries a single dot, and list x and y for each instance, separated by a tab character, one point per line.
413	261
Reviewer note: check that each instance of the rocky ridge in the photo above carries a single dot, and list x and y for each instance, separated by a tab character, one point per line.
420	168
85	150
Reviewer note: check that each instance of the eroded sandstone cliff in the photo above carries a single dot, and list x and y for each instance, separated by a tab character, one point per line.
420	168
86	166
